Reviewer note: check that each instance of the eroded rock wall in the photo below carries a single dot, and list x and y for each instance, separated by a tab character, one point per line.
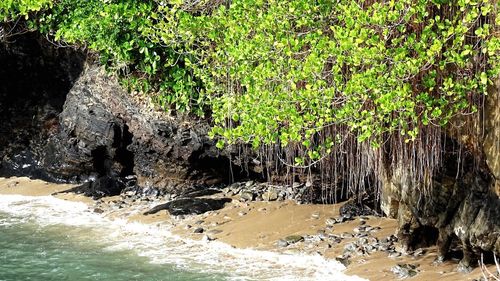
64	119
34	80
106	131
461	201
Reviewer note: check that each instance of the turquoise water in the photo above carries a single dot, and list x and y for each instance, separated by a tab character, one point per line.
29	251
44	238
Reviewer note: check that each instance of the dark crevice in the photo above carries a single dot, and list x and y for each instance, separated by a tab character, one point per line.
124	156
220	168
100	160
424	236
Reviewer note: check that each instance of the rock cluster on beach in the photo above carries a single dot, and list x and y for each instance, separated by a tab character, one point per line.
256	191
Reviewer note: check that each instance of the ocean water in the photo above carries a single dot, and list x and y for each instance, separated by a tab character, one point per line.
44	238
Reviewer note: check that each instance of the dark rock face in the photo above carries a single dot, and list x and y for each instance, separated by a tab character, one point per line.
462	202
107	132
91	139
466	210
189	206
34	81
65	120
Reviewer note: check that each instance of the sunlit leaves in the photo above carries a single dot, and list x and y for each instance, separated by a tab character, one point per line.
13	9
284	72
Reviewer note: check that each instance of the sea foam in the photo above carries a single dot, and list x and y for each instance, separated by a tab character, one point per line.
159	245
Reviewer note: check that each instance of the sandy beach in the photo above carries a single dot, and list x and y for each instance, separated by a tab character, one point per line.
260	225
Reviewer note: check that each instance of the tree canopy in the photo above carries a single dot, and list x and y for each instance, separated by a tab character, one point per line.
291	73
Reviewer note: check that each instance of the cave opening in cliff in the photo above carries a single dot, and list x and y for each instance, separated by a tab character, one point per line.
124	156
100	160
423	237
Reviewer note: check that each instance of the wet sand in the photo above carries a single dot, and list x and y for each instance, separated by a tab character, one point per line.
259	225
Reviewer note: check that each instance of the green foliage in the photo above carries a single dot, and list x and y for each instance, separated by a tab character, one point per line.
12	9
116	30
285	71
289	72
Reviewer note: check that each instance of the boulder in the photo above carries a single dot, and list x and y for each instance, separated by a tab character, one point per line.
100	187
353	208
292	239
270	195
190	206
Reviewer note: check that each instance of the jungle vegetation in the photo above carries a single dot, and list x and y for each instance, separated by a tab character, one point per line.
333	85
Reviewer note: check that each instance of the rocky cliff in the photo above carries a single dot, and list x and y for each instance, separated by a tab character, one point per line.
67	120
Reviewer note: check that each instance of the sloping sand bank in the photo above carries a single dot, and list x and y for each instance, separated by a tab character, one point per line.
260	225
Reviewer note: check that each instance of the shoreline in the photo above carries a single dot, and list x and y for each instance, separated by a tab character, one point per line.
260	225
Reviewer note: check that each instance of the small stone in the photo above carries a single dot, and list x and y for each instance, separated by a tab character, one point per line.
270	195
247	196
188	226
358	230
207	238
248	183
346	235
361	234
330	221
350	248
363	241
315	216
383	247
395	255
261	209
369	248
241	213
404	271
419	252
335	239
198	230
98	210
344	260
292	239
341	219
347	217
464	268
